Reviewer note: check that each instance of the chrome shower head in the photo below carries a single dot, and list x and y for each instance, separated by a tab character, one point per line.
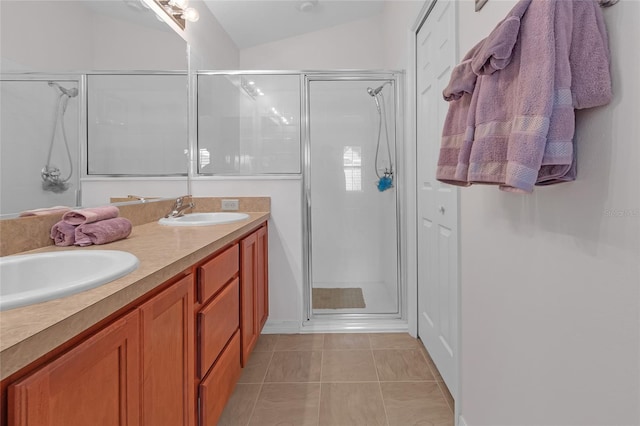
374	92
71	93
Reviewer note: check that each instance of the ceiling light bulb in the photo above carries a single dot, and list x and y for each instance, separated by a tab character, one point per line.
182	4
190	14
306	6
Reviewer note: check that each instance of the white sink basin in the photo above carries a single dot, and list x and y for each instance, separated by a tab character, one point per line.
33	278
203	219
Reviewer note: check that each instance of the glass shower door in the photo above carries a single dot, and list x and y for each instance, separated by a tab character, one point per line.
353	245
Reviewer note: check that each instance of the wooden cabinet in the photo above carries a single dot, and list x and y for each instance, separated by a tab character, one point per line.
262	277
215	273
254	279
167	356
95	383
140	368
217	322
218	333
217	386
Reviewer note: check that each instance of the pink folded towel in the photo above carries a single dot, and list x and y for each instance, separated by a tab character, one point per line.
45	211
82	216
103	231
63	234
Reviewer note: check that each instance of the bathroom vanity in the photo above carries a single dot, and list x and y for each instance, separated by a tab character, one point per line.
167	351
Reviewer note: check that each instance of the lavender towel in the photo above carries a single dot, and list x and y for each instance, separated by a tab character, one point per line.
45	211
103	231
454	134
79	217
63	234
514	105
582	55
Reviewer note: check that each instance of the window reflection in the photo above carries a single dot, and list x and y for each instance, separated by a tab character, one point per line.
352	162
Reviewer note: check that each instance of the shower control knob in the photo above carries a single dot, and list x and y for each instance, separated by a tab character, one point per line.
441	209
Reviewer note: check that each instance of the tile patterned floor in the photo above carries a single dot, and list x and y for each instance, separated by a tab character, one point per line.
339	380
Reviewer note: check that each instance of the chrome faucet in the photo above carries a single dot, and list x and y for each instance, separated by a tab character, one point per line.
179	206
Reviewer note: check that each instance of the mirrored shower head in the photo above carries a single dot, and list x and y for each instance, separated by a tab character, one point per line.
72	92
374	92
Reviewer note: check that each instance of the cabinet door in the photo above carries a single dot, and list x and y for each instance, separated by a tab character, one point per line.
96	383
217	386
248	295
167	356
217	322
262	277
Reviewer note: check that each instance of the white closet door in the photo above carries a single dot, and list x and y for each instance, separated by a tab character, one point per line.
437	202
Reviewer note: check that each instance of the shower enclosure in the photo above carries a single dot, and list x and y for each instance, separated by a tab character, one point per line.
339	132
351	197
61	132
40	133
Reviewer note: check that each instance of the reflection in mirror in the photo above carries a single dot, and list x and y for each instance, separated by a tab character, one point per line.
137	125
43	116
248	124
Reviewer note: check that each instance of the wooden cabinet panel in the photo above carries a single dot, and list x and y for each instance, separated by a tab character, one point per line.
214	274
262	277
248	319
217	321
254	293
167	356
96	383
217	386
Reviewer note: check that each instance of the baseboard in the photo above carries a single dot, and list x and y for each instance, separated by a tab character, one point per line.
461	421
281	327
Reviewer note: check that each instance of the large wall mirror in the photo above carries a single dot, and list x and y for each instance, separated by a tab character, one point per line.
94	99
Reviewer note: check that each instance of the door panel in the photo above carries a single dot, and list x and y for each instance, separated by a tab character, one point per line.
437	202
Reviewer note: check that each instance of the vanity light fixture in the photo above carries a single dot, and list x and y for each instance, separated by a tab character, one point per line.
179	11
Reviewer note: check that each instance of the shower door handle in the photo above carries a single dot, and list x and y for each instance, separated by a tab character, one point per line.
441	209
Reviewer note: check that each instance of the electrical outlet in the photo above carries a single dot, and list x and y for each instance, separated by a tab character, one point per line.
229	204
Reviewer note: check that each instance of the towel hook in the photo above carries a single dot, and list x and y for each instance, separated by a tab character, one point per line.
607	3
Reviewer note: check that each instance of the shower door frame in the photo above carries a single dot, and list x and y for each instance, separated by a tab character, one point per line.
397	79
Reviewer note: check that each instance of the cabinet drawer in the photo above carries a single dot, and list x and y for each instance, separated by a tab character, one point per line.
218	320
217	386
213	275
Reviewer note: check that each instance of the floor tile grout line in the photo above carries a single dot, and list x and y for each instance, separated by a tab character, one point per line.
375	365
255	403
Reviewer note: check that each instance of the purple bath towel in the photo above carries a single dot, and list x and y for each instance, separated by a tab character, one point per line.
63	234
458	93
497	50
103	231
585	79
79	217
514	106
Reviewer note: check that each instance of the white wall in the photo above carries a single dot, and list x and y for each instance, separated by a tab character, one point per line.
550	281
285	242
211	46
355	45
